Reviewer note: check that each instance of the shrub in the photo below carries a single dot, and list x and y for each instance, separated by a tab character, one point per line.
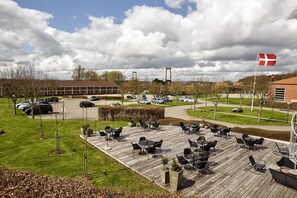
130	113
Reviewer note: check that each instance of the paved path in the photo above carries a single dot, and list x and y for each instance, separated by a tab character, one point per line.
181	112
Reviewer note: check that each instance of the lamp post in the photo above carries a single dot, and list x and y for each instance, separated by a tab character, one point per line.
288	110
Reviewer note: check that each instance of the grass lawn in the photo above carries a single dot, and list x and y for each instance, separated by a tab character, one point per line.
236	101
22	149
225	114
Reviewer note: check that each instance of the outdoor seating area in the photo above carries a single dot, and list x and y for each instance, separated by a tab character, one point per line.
216	167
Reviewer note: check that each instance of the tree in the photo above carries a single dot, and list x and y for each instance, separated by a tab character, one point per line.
12	84
78	73
90	75
196	89
206	87
175	89
114	76
133	87
154	88
215	96
227	88
261	93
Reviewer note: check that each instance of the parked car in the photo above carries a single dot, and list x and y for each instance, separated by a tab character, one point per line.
43	100
144	101
22	103
40	109
86	104
53	99
158	100
115	104
182	98
24	106
189	100
94	98
131	97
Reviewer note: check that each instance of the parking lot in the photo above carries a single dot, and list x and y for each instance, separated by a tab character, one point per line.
72	111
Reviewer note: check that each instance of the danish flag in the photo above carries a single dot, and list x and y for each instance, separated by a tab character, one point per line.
267	59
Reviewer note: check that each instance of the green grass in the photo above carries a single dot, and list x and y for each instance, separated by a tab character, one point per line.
225	114
236	101
22	149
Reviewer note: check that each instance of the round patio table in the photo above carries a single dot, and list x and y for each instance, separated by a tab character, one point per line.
144	143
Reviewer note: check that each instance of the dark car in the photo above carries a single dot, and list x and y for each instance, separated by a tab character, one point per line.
53	99
94	98
86	104
131	97
40	109
43	100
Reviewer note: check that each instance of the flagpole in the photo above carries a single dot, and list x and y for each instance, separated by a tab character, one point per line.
254	83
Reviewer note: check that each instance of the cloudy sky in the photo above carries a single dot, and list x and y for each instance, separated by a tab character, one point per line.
211	39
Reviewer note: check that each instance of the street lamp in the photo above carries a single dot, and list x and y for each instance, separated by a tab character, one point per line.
288	110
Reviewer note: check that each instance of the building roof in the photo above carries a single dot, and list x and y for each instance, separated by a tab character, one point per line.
83	83
287	81
73	83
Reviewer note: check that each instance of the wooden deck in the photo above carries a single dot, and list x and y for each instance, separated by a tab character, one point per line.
226	177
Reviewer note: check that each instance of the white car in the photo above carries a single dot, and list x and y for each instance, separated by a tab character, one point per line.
22	103
188	100
144	101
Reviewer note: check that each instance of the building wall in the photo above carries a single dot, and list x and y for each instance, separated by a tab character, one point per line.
290	91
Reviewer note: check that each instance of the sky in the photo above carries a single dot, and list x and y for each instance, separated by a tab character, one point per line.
214	40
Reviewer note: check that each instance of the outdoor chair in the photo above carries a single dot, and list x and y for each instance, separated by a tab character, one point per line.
155	126
116	135
200	165
201	140
102	134
185	129
212	145
258	167
151	150
142	138
250	144
135	147
158	144
193	144
205	147
182	161
281	150
259	142
187	152
214	131
245	136
225	132
240	142
107	129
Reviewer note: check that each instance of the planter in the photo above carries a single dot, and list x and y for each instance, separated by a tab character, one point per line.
165	176
175	180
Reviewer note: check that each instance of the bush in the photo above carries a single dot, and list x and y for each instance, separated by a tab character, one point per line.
130	113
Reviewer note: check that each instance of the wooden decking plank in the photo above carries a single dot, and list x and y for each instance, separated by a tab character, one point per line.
228	178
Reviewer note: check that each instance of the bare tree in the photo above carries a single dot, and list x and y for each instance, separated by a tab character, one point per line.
78	73
32	84
227	88
196	90
11	84
206	86
261	93
215	95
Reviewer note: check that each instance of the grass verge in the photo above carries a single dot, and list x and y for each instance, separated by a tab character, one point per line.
22	149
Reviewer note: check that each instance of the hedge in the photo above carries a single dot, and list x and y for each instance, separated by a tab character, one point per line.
123	113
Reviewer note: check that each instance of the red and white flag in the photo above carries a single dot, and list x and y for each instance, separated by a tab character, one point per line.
267	59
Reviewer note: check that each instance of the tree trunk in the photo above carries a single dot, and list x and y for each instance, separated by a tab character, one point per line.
259	115
215	113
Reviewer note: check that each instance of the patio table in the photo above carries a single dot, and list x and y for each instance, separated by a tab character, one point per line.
144	143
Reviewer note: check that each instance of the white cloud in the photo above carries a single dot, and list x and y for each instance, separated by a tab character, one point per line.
174	3
217	38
